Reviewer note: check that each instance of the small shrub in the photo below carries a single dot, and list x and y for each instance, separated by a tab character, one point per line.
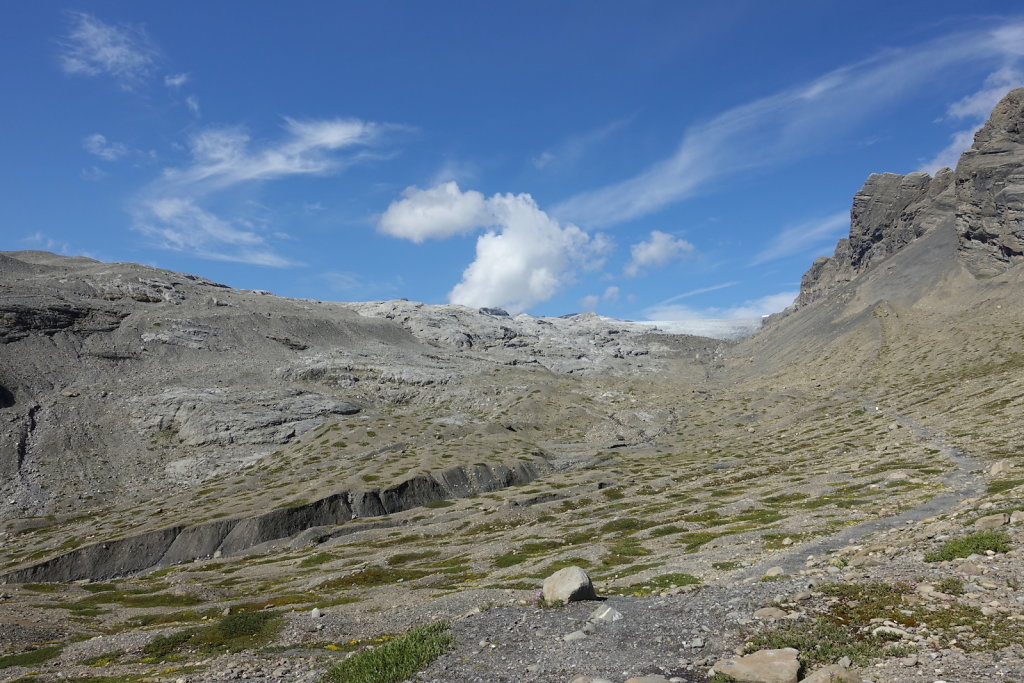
950	585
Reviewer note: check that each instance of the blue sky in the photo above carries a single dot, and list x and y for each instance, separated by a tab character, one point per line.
647	160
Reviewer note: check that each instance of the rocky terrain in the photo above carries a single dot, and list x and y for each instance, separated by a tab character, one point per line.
207	484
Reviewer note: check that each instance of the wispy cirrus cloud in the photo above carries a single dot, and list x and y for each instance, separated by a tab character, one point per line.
575	147
93	47
670	309
175	80
171	210
789	124
108	150
975	109
804	236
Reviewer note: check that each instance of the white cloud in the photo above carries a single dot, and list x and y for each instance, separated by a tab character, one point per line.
40	240
437	212
175	80
222	156
807	235
192	102
575	147
590	302
107	150
787	124
657	251
751	308
170	211
93	174
525	258
976	108
695	292
95	48
179	224
530	259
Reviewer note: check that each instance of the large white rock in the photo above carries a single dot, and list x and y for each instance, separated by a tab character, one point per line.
568	585
764	666
833	674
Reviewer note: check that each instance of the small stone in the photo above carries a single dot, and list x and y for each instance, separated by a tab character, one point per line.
316	613
575	636
833	674
999	468
764	666
647	679
1017	517
226	612
697	643
774	571
992	521
770	613
909	661
605	614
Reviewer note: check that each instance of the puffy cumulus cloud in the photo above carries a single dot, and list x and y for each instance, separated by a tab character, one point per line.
438	212
589	302
525	257
178	224
528	260
95	48
657	251
107	150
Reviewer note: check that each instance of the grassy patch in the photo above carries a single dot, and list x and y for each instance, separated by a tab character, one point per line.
32	657
105	659
395	660
231	634
372	576
823	642
726	566
1003	485
997	541
317	560
951	585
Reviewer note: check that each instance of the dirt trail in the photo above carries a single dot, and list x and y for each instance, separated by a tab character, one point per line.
961	482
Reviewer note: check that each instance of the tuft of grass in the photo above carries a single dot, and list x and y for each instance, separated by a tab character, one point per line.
997	541
395	660
105	659
32	657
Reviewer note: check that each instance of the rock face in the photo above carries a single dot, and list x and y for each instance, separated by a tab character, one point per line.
982	200
568	585
990	191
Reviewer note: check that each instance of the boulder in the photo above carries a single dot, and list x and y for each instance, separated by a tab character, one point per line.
568	585
763	666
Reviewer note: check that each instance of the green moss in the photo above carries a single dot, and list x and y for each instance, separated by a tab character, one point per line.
233	633
372	576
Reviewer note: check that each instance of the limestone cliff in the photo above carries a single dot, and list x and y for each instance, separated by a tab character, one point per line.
982	200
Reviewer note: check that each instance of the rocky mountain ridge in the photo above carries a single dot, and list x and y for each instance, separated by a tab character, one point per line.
982	201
